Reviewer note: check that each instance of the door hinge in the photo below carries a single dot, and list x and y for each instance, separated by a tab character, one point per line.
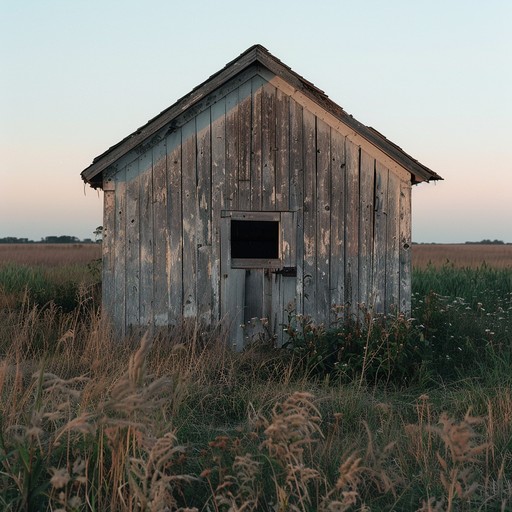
286	271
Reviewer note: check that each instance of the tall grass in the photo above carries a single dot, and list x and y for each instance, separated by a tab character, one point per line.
176	421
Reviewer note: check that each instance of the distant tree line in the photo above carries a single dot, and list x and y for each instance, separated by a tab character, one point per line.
488	242
62	239
54	239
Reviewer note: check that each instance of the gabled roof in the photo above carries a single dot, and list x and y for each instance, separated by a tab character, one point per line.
257	54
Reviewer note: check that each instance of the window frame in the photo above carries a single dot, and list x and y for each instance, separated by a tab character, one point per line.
253	263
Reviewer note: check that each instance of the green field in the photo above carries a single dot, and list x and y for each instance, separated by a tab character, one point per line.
395	414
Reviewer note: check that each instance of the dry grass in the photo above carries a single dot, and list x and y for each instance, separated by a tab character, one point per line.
177	422
462	255
49	255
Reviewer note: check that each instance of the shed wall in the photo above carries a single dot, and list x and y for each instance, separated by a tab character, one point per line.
252	148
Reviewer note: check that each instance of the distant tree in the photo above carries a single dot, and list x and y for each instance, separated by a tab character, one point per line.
98	234
487	241
14	240
62	239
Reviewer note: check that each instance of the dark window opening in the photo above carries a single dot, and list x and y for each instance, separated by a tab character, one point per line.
254	239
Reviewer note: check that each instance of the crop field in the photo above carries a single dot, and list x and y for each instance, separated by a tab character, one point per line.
381	414
462	255
49	255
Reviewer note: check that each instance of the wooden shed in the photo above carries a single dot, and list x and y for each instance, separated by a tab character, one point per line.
252	196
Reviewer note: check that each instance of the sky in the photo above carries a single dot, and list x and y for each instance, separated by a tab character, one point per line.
433	76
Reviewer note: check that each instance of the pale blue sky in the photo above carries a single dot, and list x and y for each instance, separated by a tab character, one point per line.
433	76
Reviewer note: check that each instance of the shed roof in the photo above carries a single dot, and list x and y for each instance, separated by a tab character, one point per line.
256	54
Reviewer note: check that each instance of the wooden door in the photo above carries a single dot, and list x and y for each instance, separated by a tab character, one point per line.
258	285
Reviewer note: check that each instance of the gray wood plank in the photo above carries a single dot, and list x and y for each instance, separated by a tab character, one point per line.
352	228
286	286
380	237
244	138
174	204
120	253
256	155
189	211
132	245
323	221
232	150
253	301
204	291
297	194
146	238
108	255
162	248
282	151
218	148
337	271
392	245
310	227
232	291
268	146
405	248
366	191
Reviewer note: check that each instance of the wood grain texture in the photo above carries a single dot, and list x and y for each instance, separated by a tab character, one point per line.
146	298
352	212
132	245
366	231
337	253
161	236
175	215
380	237
189	218
405	248
323	222
309	262
108	255
120	296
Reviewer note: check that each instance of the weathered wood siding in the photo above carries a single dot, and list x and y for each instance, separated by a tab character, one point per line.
253	146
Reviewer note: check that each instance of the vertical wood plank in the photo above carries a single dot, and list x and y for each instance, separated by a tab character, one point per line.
162	250
174	202
146	238
189	211
232	289
244	138
405	248
256	155
310	234
133	244
204	291
108	254
337	273
218	147
120	253
380	237
232	149
253	301
366	191
286	286
297	194
352	228
323	221
392	245
282	151
268	146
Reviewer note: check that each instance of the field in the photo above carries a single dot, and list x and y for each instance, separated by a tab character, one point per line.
462	255
49	255
380	414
